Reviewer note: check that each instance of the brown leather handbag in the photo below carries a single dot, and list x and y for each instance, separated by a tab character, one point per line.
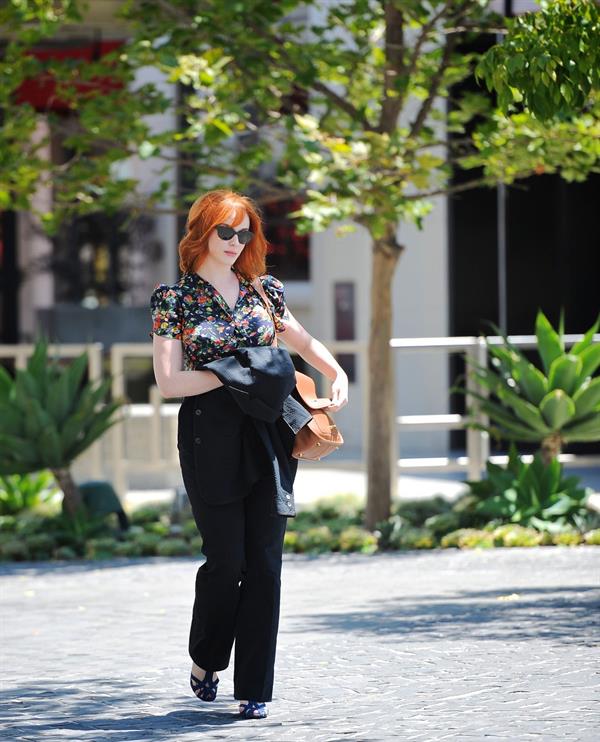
320	436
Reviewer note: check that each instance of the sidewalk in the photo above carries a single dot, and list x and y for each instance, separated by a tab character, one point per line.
417	646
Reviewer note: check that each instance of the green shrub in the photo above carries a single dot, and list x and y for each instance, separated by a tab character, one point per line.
157	527
8	523
512	534
461	536
416	512
40	545
147	543
567	538
443	523
128	549
16	550
190	529
149	513
290	541
466	509
531	494
20	492
316	539
65	552
173	547
100	548
133	532
30	522
412	537
196	544
592	537
386	531
355	538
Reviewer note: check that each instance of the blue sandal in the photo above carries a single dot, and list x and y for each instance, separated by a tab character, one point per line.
247	710
205	689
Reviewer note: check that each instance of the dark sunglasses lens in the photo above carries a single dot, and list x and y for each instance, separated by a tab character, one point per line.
245	236
224	232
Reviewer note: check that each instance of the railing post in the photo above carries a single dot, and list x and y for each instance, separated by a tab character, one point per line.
118	430
484	436
473	437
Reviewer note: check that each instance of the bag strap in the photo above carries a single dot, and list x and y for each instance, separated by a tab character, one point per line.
257	283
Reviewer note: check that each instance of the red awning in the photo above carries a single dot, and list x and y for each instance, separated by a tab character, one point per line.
40	92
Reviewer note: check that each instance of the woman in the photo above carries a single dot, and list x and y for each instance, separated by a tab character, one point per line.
211	311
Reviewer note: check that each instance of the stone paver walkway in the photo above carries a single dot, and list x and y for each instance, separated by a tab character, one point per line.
433	645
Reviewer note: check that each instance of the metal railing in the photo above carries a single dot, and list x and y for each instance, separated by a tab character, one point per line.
157	410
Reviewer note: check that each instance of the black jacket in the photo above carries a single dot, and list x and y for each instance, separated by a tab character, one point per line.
245	429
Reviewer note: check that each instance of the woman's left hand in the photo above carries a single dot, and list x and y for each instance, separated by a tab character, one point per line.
339	392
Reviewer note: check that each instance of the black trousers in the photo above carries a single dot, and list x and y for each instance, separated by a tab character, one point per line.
237	590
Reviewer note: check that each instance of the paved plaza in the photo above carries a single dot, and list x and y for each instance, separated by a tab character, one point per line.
431	645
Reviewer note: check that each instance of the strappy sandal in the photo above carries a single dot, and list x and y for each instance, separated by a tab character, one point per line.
253	710
205	689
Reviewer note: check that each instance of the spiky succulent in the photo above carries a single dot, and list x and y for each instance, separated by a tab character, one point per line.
556	404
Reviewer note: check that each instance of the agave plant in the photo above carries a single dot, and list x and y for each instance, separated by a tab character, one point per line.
532	494
556	404
48	417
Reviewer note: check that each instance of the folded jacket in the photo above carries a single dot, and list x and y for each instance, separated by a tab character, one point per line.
261	380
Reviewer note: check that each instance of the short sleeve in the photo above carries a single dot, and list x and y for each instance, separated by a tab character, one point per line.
275	292
166	312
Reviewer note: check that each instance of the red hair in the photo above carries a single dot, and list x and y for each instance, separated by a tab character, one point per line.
214	208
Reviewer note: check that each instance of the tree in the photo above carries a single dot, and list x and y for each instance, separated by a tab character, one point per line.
549	62
372	148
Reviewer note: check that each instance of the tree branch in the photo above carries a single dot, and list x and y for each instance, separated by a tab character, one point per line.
436	80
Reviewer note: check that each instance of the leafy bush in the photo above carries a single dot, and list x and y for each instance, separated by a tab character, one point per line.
443	523
467	537
15	549
173	547
532	494
128	549
40	545
100	548
416	512
316	539
567	538
146	543
592	537
148	513
290	541
355	538
515	535
20	492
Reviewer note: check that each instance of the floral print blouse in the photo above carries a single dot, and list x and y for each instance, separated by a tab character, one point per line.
195	312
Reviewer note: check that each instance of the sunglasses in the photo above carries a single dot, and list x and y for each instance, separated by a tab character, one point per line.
226	232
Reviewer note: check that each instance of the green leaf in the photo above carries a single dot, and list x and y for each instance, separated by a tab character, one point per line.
550	345
527	412
587	397
590	358
532	381
557	408
564	372
587	339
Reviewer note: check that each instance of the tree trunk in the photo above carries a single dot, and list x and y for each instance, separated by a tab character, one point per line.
381	465
551	447
71	492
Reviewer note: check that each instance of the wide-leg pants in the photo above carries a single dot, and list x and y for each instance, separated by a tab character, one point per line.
237	589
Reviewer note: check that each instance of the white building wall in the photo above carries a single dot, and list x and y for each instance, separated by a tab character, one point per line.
420	309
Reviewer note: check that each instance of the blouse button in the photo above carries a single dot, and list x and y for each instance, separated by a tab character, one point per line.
198	412
197	440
